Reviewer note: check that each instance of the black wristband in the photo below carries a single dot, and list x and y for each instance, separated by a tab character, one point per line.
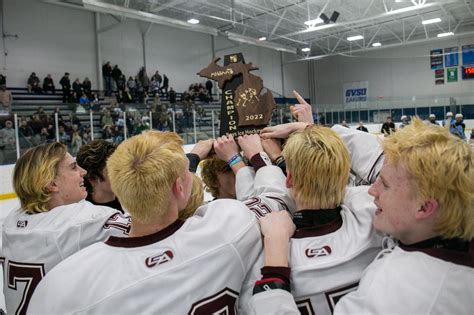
194	160
270	284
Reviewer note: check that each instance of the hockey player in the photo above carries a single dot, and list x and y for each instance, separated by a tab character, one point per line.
424	199
53	222
167	266
92	157
334	239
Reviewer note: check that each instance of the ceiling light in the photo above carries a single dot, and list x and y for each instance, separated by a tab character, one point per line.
357	37
311	23
431	21
411	8
445	34
319	27
377	44
262	38
306	49
193	21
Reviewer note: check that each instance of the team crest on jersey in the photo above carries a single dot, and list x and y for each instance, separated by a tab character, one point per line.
159	259
21	224
318	252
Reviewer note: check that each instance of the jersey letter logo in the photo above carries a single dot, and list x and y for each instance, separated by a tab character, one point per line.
318	252
159	259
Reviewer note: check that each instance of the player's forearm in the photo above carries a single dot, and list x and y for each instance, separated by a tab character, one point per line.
276	251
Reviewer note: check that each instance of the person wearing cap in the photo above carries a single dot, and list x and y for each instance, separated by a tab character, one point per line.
448	120
458	127
404	123
432	119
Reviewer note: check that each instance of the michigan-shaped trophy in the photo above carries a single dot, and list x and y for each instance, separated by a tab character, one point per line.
247	106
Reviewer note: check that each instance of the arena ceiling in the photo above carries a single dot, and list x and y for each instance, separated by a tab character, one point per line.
282	22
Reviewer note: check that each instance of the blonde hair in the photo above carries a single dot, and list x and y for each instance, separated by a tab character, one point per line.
319	164
195	201
441	167
34	171
142	171
210	168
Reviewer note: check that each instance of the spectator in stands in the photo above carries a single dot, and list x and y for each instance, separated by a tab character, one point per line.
25	134
7	144
172	98
388	126
48	84
3	79
458	127
106	119
144	80
448	120
154	87
87	86
34	84
219	178
107	75
127	96
116	74
76	140
209	86
361	127
132	86
84	100
121	83
404	123
344	124
432	119
165	86
77	88
93	157
66	87
64	137
141	92
6	99
157	77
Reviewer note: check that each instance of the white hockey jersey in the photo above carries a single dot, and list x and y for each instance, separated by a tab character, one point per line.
191	267
366	153
34	244
328	263
402	282
204	260
399	282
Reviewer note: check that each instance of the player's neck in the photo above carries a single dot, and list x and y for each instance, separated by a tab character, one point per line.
142	229
101	196
313	206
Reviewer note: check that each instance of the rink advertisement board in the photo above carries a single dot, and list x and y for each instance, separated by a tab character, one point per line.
356	94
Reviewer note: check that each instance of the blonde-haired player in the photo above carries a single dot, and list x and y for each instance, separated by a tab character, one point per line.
53	222
424	200
167	265
334	238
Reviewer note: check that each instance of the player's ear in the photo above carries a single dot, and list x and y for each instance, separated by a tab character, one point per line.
289	179
52	187
178	187
427	210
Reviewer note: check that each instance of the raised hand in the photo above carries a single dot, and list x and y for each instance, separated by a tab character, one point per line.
302	111
225	147
250	144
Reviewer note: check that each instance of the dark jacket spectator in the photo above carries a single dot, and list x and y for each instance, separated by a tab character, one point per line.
87	86
66	87
107	75
116	74
48	84
77	88
388	126
34	83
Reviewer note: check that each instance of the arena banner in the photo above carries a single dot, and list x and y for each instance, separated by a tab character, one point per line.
356	94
